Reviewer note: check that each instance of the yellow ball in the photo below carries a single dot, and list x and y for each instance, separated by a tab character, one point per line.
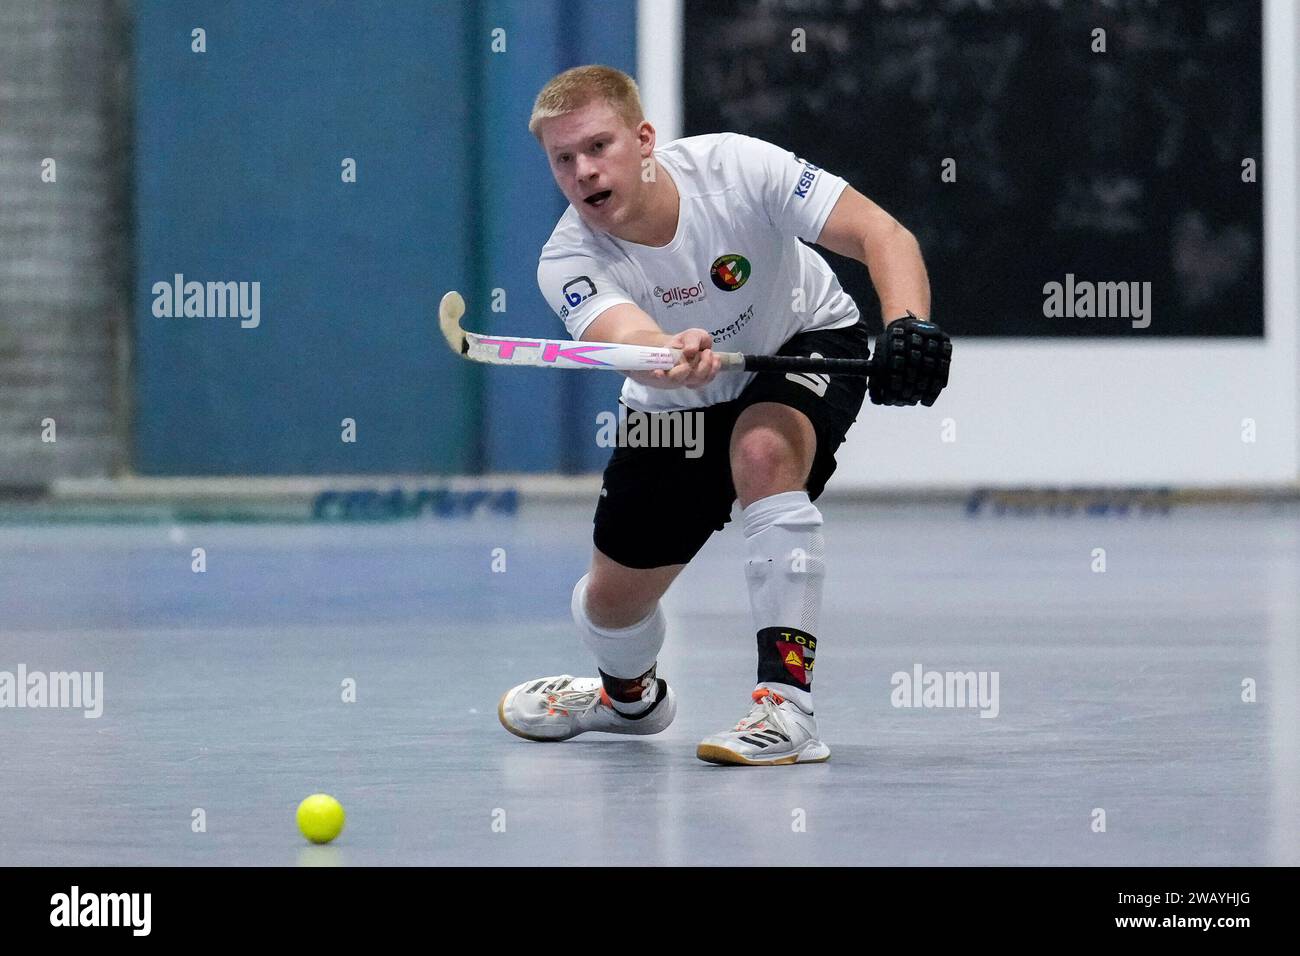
320	818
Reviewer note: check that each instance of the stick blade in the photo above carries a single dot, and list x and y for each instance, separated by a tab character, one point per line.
450	310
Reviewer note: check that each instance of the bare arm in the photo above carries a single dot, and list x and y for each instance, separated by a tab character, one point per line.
630	325
861	230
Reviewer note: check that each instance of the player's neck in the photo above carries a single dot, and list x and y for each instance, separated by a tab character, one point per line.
658	226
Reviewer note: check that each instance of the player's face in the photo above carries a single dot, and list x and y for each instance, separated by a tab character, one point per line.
596	159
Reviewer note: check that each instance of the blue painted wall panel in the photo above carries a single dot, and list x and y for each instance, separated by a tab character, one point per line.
238	179
538	421
524	410
609	37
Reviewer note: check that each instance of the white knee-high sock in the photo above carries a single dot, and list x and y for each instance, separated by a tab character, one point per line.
625	655
785	571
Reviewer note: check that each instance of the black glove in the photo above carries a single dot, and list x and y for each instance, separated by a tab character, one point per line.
910	363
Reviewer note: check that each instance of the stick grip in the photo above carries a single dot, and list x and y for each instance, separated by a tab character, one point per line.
802	363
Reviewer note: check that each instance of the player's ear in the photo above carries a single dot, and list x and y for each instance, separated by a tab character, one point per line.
646	138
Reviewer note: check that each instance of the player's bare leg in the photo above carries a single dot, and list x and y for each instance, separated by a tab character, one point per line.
619	596
616	609
772	449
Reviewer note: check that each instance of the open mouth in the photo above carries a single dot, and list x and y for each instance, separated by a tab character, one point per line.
598	199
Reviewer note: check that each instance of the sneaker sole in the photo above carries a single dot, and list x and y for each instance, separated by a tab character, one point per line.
713	753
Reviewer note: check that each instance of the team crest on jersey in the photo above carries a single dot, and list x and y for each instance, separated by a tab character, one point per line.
730	272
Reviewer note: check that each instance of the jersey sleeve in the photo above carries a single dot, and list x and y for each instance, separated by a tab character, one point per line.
796	195
578	287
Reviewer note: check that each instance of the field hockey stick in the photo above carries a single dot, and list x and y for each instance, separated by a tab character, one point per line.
558	353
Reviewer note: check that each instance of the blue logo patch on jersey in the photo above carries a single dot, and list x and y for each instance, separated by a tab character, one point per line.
806	179
576	290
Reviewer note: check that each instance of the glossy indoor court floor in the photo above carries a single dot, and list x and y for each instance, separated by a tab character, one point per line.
1118	691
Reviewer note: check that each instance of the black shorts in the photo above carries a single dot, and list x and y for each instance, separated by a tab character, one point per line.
658	506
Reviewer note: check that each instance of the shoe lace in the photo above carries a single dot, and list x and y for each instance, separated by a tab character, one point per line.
764	711
564	701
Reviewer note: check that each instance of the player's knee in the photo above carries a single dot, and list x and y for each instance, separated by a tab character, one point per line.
763	463
612	604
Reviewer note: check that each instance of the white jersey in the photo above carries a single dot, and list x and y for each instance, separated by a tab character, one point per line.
735	268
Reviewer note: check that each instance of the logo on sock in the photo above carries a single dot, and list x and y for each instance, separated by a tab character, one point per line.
792	654
786	656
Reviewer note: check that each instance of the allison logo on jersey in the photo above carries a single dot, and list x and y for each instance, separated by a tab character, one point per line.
680	295
730	272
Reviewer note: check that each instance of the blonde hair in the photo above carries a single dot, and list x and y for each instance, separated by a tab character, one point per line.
575	88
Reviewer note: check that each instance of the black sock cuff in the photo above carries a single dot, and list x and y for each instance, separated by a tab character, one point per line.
660	694
627	690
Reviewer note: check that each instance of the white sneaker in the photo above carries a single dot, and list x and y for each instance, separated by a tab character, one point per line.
557	708
775	731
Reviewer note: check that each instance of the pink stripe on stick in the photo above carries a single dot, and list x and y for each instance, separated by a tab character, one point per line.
555	350
506	347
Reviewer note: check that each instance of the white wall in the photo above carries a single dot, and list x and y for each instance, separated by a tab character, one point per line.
659	65
1093	411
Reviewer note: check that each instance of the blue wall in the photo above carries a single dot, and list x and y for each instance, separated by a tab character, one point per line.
238	178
